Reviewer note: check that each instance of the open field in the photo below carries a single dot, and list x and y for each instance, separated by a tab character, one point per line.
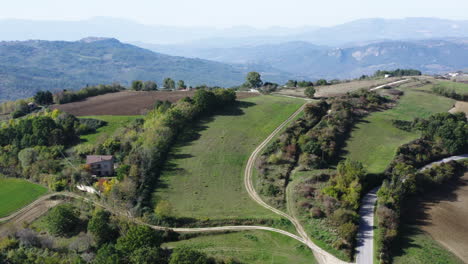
113	123
375	140
443	216
204	176
17	193
339	89
420	248
126	102
253	247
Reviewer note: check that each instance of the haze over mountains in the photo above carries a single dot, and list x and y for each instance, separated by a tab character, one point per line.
218	56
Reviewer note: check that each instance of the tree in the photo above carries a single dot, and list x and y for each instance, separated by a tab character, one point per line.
181	85
44	98
185	255
138	237
27	157
310	92
305	84
107	255
150	86
137	85
169	84
62	220
99	227
253	80
147	255
163	209
204	100
291	83
321	82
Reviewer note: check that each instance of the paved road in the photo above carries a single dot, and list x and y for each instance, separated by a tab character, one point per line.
365	237
459	157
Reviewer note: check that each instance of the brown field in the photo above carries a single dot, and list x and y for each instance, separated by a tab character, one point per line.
126	102
460	107
445	218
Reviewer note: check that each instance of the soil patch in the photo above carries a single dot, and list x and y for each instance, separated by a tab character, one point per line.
443	215
127	102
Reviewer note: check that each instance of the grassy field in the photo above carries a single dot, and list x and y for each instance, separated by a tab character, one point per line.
419	248
113	123
17	193
375	140
204	176
253	247
461	88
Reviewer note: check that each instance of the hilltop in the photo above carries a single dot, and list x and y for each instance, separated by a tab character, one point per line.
29	66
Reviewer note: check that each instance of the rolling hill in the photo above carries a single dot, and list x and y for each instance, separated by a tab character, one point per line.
28	66
313	61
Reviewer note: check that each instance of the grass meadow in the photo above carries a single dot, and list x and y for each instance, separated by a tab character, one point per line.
375	140
113	123
417	247
253	247
17	193
204	174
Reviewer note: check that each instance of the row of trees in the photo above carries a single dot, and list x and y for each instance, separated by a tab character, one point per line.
168	84
450	93
142	147
442	135
314	142
398	73
66	96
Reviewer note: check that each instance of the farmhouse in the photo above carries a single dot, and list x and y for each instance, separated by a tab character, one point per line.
101	165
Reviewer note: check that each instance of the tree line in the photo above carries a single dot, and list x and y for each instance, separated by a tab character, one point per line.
443	135
99	238
312	142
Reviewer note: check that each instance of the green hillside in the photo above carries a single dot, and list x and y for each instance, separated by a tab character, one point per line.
204	177
28	66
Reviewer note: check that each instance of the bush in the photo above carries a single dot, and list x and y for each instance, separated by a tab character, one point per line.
62	220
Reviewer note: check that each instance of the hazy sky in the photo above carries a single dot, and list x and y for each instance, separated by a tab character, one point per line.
222	13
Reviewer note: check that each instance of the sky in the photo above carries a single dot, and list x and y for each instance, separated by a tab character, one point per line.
228	13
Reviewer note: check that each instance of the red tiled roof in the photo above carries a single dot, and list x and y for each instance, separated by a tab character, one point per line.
98	158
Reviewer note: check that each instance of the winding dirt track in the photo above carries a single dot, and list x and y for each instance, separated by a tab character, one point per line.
321	255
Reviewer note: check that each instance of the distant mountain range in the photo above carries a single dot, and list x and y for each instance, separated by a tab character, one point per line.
337	36
312	61
29	66
219	56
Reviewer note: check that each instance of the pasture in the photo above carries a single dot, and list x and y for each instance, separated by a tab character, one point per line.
204	174
253	247
17	193
375	140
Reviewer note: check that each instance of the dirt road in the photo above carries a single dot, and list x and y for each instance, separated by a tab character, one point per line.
388	84
321	255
